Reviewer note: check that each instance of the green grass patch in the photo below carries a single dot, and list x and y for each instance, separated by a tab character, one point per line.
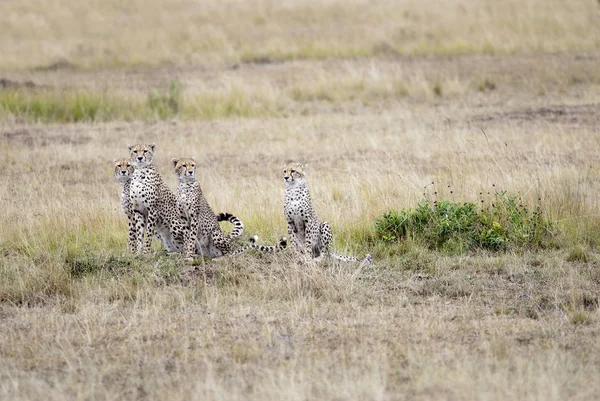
62	106
33	281
343	91
43	278
165	104
67	106
455	227
578	254
234	102
82	264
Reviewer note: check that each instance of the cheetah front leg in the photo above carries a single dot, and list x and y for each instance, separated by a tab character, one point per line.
292	230
326	237
222	245
139	224
191	235
131	244
150	229
313	239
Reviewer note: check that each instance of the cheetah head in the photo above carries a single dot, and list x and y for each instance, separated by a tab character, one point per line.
142	155
185	169
123	169
294	173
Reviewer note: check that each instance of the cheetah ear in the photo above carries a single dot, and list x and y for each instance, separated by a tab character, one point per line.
129	147
305	166
114	161
174	161
152	146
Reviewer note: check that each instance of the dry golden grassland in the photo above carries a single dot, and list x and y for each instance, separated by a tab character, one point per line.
390	103
113	33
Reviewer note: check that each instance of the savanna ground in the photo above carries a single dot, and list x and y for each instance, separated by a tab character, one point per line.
381	99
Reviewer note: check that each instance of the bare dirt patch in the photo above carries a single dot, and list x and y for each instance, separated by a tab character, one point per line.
583	115
10	84
61	64
516	73
33	138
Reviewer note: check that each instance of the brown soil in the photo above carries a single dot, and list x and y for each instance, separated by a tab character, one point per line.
587	115
35	138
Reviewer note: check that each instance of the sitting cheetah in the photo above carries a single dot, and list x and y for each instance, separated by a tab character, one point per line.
203	228
151	200
307	233
123	170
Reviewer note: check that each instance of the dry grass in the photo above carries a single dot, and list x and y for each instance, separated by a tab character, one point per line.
294	89
495	328
59	33
82	319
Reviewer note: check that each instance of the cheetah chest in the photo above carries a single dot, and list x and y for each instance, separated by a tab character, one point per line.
142	192
125	200
189	203
298	210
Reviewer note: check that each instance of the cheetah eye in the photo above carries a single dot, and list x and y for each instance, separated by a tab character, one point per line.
293	171
135	151
145	151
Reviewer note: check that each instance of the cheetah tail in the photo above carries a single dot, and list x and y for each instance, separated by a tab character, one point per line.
238	226
262	248
367	260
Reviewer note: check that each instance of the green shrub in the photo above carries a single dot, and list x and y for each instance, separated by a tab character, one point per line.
459	227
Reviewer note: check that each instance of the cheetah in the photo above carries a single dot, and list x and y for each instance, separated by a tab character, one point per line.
123	170
152	202
309	236
203	226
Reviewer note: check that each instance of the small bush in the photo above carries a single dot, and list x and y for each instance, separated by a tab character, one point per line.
459	227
